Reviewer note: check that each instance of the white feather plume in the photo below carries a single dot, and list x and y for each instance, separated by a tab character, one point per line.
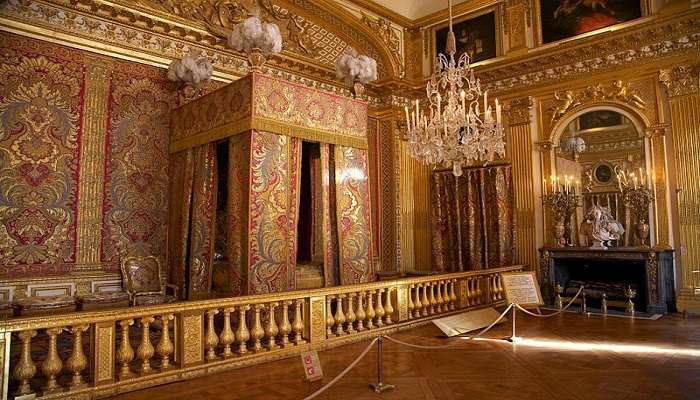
252	33
351	67
191	69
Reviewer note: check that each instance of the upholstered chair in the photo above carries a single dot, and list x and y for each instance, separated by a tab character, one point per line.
143	281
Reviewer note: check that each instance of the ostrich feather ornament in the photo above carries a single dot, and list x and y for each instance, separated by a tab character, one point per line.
254	34
353	67
191	69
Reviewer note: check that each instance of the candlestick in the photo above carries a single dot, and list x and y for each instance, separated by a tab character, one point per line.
408	120
498	112
486	98
417	107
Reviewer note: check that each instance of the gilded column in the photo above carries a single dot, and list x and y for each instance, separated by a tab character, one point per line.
520	148
92	156
683	88
5	339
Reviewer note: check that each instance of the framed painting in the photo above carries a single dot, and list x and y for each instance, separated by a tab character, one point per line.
599	119
475	35
563	19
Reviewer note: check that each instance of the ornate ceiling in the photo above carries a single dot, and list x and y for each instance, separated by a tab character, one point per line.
314	32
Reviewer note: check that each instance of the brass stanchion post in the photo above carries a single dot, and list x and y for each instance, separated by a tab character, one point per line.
380	386
511	338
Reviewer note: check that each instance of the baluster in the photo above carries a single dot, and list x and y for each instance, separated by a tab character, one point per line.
479	292
370	311
52	365
418	306
211	339
438	296
285	327
339	315
432	301
25	369
388	308
145	350
257	332
125	353
271	329
446	296
77	361
426	303
298	325
411	306
500	287
350	317
453	296
494	287
165	346
242	333
330	320
227	337
468	293
379	308
361	315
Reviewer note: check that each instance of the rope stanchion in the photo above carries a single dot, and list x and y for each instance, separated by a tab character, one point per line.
417	346
345	371
554	313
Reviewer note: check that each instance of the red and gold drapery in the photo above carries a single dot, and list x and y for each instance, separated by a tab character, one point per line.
473	219
265	120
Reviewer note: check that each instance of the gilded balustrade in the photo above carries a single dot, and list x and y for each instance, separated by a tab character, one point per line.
138	347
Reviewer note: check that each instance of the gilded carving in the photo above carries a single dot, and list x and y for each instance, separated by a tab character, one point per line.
318	319
105	353
519	110
387	34
681	80
653	274
618	90
193	350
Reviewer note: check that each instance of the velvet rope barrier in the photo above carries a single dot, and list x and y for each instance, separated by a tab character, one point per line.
554	313
345	371
417	346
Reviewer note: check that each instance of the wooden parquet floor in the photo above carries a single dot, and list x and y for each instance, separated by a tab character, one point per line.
487	369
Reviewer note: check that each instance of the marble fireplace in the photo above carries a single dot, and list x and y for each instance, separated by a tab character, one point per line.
649	271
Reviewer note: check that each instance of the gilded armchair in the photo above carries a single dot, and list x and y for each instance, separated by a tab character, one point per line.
143	281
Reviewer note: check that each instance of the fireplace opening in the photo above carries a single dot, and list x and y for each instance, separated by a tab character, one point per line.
611	277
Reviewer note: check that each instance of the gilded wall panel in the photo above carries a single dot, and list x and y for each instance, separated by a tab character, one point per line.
41	106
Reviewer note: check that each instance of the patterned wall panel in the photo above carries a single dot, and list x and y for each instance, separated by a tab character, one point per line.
136	176
41	106
62	176
273	189
353	208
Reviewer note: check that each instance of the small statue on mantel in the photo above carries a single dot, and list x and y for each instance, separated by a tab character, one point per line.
600	227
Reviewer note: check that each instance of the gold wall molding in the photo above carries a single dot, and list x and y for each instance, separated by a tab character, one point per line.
632	45
92	166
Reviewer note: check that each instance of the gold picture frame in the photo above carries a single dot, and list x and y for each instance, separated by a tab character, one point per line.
498	22
537	16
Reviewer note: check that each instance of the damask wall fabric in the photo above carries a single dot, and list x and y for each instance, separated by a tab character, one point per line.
41	107
481	203
135	196
45	101
180	194
274	168
353	210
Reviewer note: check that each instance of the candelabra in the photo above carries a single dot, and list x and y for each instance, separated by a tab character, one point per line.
637	197
563	200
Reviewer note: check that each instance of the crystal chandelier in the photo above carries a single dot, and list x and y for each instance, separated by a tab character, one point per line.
459	127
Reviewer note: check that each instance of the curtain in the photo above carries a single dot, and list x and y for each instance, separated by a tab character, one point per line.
353	213
330	233
274	200
181	167
237	188
192	213
202	223
472	219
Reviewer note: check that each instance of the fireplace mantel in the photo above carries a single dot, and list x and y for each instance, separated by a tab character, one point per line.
658	270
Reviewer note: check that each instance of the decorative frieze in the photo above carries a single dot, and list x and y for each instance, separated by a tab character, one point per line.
681	80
